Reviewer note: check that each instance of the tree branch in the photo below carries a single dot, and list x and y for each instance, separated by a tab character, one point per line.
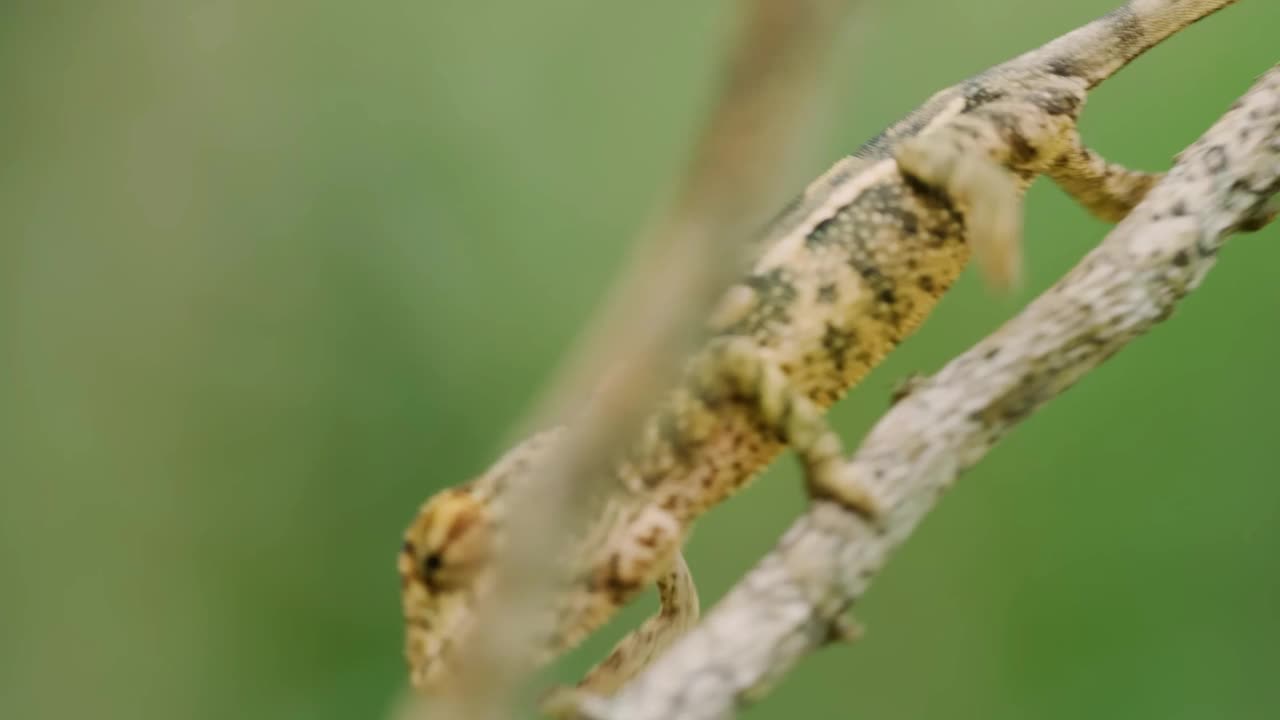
792	602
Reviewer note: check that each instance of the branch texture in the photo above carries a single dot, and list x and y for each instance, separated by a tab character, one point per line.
793	601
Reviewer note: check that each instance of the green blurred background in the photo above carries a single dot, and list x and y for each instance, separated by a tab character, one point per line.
271	273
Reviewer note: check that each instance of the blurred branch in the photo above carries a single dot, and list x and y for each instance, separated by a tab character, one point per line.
679	267
792	602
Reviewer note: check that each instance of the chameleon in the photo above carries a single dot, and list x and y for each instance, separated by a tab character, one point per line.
846	271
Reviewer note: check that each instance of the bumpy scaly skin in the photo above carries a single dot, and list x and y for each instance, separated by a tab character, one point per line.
850	269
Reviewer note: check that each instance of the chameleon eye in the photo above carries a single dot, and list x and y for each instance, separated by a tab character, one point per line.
432	563
451	540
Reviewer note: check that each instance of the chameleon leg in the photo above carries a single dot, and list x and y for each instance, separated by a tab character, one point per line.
737	369
677	612
1107	190
964	159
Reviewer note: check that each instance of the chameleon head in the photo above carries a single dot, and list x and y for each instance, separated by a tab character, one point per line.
446	564
443	566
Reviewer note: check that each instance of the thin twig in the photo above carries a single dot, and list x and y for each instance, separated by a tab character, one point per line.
792	602
680	267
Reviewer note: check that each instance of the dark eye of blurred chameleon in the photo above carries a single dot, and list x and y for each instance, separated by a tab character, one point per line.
432	563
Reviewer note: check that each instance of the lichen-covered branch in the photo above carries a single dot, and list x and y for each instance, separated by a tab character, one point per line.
793	602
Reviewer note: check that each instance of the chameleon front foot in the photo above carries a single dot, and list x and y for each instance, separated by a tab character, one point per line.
1107	190
738	370
955	161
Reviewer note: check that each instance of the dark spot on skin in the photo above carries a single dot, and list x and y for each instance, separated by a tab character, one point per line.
1063	102
933	197
925	282
886	296
1022	151
910	223
976	94
837	343
613	584
1215	159
827	294
1179	209
1127	29
820	233
772	285
775	294
991	354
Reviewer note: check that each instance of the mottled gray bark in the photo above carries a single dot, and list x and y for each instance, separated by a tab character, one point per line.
792	602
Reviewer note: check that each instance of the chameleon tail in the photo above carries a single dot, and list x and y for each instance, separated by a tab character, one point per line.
1096	51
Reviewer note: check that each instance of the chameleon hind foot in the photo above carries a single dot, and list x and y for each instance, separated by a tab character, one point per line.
678	611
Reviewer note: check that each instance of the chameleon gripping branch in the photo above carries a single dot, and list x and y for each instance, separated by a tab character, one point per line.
790	602
770	89
848	272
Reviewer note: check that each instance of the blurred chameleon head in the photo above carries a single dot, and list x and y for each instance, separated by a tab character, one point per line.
444	567
446	563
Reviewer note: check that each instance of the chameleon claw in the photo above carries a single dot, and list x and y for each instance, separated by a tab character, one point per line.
841	485
906	386
844	630
561	702
1262	217
565	702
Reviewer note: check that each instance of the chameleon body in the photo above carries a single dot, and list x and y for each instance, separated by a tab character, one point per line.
849	270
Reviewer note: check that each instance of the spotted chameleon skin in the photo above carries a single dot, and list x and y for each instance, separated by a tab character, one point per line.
828	311
851	268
